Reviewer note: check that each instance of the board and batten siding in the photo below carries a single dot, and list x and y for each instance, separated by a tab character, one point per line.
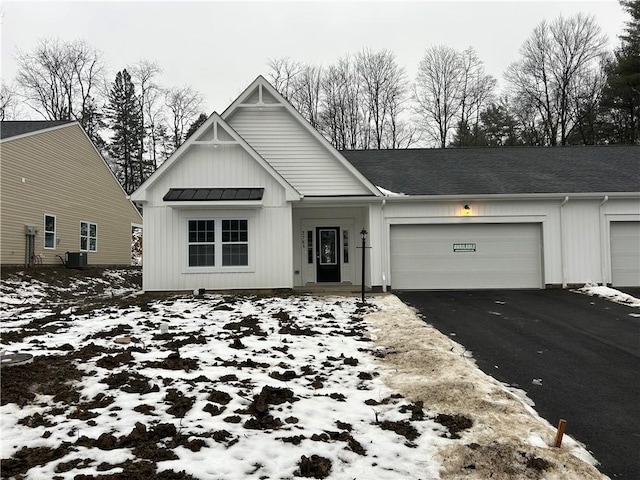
59	172
575	233
299	157
165	240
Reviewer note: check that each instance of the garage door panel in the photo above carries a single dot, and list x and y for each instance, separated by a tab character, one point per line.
503	256
625	254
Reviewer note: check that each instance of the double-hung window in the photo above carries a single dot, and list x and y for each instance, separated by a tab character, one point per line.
88	237
202	243
218	243
49	231
235	243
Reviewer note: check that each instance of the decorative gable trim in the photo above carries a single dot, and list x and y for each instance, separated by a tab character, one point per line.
262	95
214	132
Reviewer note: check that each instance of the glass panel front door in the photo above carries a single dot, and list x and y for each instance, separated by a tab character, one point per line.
327	254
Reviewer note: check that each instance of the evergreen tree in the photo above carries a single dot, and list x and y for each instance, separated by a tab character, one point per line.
125	120
621	97
195	125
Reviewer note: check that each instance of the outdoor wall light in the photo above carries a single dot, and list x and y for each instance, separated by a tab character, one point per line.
466	210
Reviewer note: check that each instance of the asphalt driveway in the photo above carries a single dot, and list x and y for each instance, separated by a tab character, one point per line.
577	357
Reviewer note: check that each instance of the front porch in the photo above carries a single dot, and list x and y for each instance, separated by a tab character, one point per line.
327	247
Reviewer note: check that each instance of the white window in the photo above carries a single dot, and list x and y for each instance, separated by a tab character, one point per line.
88	237
202	243
49	231
218	243
235	243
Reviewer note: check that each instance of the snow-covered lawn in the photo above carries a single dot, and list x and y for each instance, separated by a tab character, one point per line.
254	387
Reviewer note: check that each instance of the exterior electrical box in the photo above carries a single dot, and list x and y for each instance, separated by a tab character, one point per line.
76	260
30	230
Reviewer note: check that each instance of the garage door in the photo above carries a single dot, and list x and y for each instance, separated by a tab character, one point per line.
433	257
625	254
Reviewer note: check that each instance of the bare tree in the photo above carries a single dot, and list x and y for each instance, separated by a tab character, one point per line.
144	73
553	61
437	92
474	91
341	118
383	92
59	79
184	105
307	92
9	104
283	76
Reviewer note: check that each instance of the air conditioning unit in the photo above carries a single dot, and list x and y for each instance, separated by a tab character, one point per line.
76	260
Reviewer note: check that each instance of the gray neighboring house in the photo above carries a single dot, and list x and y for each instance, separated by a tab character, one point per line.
257	198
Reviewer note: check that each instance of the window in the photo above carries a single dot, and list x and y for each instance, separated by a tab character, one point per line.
201	243
49	231
345	246
235	243
309	246
88	237
218	243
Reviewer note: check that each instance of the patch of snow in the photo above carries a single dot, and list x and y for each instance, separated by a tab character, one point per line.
610	294
389	193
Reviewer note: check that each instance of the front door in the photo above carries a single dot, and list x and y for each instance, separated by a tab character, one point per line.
328	254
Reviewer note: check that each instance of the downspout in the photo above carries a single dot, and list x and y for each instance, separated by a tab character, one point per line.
384	246
603	242
563	246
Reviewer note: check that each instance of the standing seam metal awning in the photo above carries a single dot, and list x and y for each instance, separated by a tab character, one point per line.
212	194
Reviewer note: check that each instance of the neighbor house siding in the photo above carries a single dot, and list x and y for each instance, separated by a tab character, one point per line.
165	239
58	172
299	157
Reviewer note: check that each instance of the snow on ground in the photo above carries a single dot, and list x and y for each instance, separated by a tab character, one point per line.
258	387
610	294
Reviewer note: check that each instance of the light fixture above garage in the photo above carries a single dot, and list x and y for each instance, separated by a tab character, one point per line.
466	210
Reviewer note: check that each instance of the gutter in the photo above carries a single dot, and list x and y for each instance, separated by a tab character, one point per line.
604	245
563	243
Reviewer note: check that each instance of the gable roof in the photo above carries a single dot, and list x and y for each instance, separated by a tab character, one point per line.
261	86
13	128
502	170
214	131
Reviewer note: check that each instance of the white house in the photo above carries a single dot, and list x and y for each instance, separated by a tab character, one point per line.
256	198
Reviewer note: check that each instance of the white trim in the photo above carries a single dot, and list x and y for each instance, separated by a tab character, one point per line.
88	249
218	217
45	231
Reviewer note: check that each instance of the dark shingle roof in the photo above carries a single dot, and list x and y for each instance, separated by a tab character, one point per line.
14	128
212	194
501	170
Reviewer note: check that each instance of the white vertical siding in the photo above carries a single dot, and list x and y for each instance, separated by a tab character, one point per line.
581	235
165	238
575	236
299	157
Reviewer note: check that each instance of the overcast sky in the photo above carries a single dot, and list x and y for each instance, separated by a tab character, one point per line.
220	47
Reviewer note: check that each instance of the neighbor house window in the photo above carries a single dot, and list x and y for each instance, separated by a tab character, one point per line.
88	237
201	243
235	243
49	231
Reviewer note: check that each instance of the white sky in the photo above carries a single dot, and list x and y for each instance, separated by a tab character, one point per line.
220	47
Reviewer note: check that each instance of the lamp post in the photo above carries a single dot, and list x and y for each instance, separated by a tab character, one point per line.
363	236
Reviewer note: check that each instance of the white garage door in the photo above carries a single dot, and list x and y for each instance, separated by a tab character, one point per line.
625	254
432	257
